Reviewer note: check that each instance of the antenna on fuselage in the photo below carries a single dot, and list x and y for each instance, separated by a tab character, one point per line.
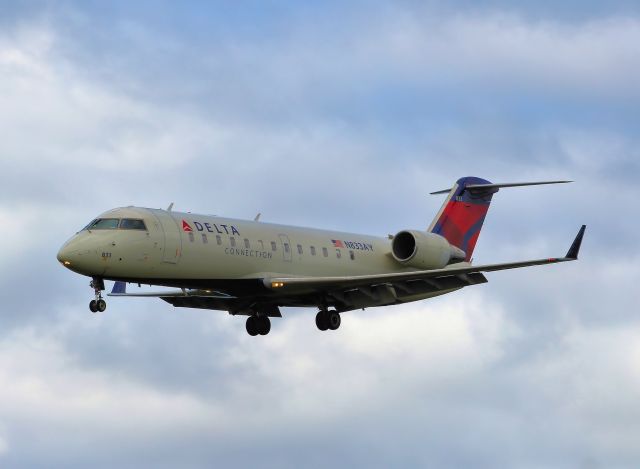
257	218
170	207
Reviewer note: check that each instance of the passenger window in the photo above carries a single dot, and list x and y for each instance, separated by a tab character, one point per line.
274	246
232	240
352	255
132	224
219	239
338	253
286	247
325	252
204	238
191	237
104	224
299	249
313	250
246	243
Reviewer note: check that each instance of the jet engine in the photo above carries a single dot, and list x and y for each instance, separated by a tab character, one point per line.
424	250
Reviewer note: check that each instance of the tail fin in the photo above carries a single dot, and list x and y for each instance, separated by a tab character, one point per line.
462	214
461	217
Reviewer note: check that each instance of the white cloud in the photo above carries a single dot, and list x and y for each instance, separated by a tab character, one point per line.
53	115
42	384
602	54
494	50
397	48
447	355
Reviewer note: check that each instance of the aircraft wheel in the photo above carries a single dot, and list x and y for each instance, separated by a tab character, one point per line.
264	324
322	322
102	305
252	326
93	306
333	320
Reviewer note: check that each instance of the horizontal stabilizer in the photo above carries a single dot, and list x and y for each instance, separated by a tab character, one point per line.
489	187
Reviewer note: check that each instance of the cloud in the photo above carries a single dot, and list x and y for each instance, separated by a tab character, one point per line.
499	48
85	126
425	371
4	446
348	121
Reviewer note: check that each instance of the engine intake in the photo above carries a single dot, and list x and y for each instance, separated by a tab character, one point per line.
424	250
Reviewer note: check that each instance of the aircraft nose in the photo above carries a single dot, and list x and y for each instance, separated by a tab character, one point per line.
64	254
79	255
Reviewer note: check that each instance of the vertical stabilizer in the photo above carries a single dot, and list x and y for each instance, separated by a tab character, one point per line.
461	217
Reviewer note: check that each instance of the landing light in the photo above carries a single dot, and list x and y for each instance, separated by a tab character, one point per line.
67	263
277	284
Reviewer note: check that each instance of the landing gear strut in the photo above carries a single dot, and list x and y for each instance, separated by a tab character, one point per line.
98	304
328	320
258	325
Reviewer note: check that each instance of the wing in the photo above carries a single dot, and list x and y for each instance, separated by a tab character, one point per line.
383	288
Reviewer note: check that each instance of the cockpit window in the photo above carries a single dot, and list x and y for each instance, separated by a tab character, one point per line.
132	224
114	223
88	225
104	224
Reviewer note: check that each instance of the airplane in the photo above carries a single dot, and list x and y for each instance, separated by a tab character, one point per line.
253	268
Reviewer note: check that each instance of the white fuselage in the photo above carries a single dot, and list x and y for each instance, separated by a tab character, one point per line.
220	248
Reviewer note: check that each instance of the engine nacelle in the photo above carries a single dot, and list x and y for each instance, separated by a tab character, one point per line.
424	250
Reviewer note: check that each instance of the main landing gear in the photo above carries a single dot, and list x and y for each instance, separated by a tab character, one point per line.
97	305
258	325
328	320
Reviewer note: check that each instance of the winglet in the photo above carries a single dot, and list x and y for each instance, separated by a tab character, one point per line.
572	253
119	288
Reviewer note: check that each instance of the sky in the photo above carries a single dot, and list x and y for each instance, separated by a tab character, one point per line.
340	115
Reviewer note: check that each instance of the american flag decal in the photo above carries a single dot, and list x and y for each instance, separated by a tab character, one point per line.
337	243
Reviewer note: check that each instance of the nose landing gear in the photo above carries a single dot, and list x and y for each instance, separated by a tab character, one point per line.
97	305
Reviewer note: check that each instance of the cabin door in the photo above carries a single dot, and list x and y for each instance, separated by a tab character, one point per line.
172	238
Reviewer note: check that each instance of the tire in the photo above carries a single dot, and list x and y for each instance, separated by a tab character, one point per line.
252	326
265	325
322	322
333	320
102	305
93	306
